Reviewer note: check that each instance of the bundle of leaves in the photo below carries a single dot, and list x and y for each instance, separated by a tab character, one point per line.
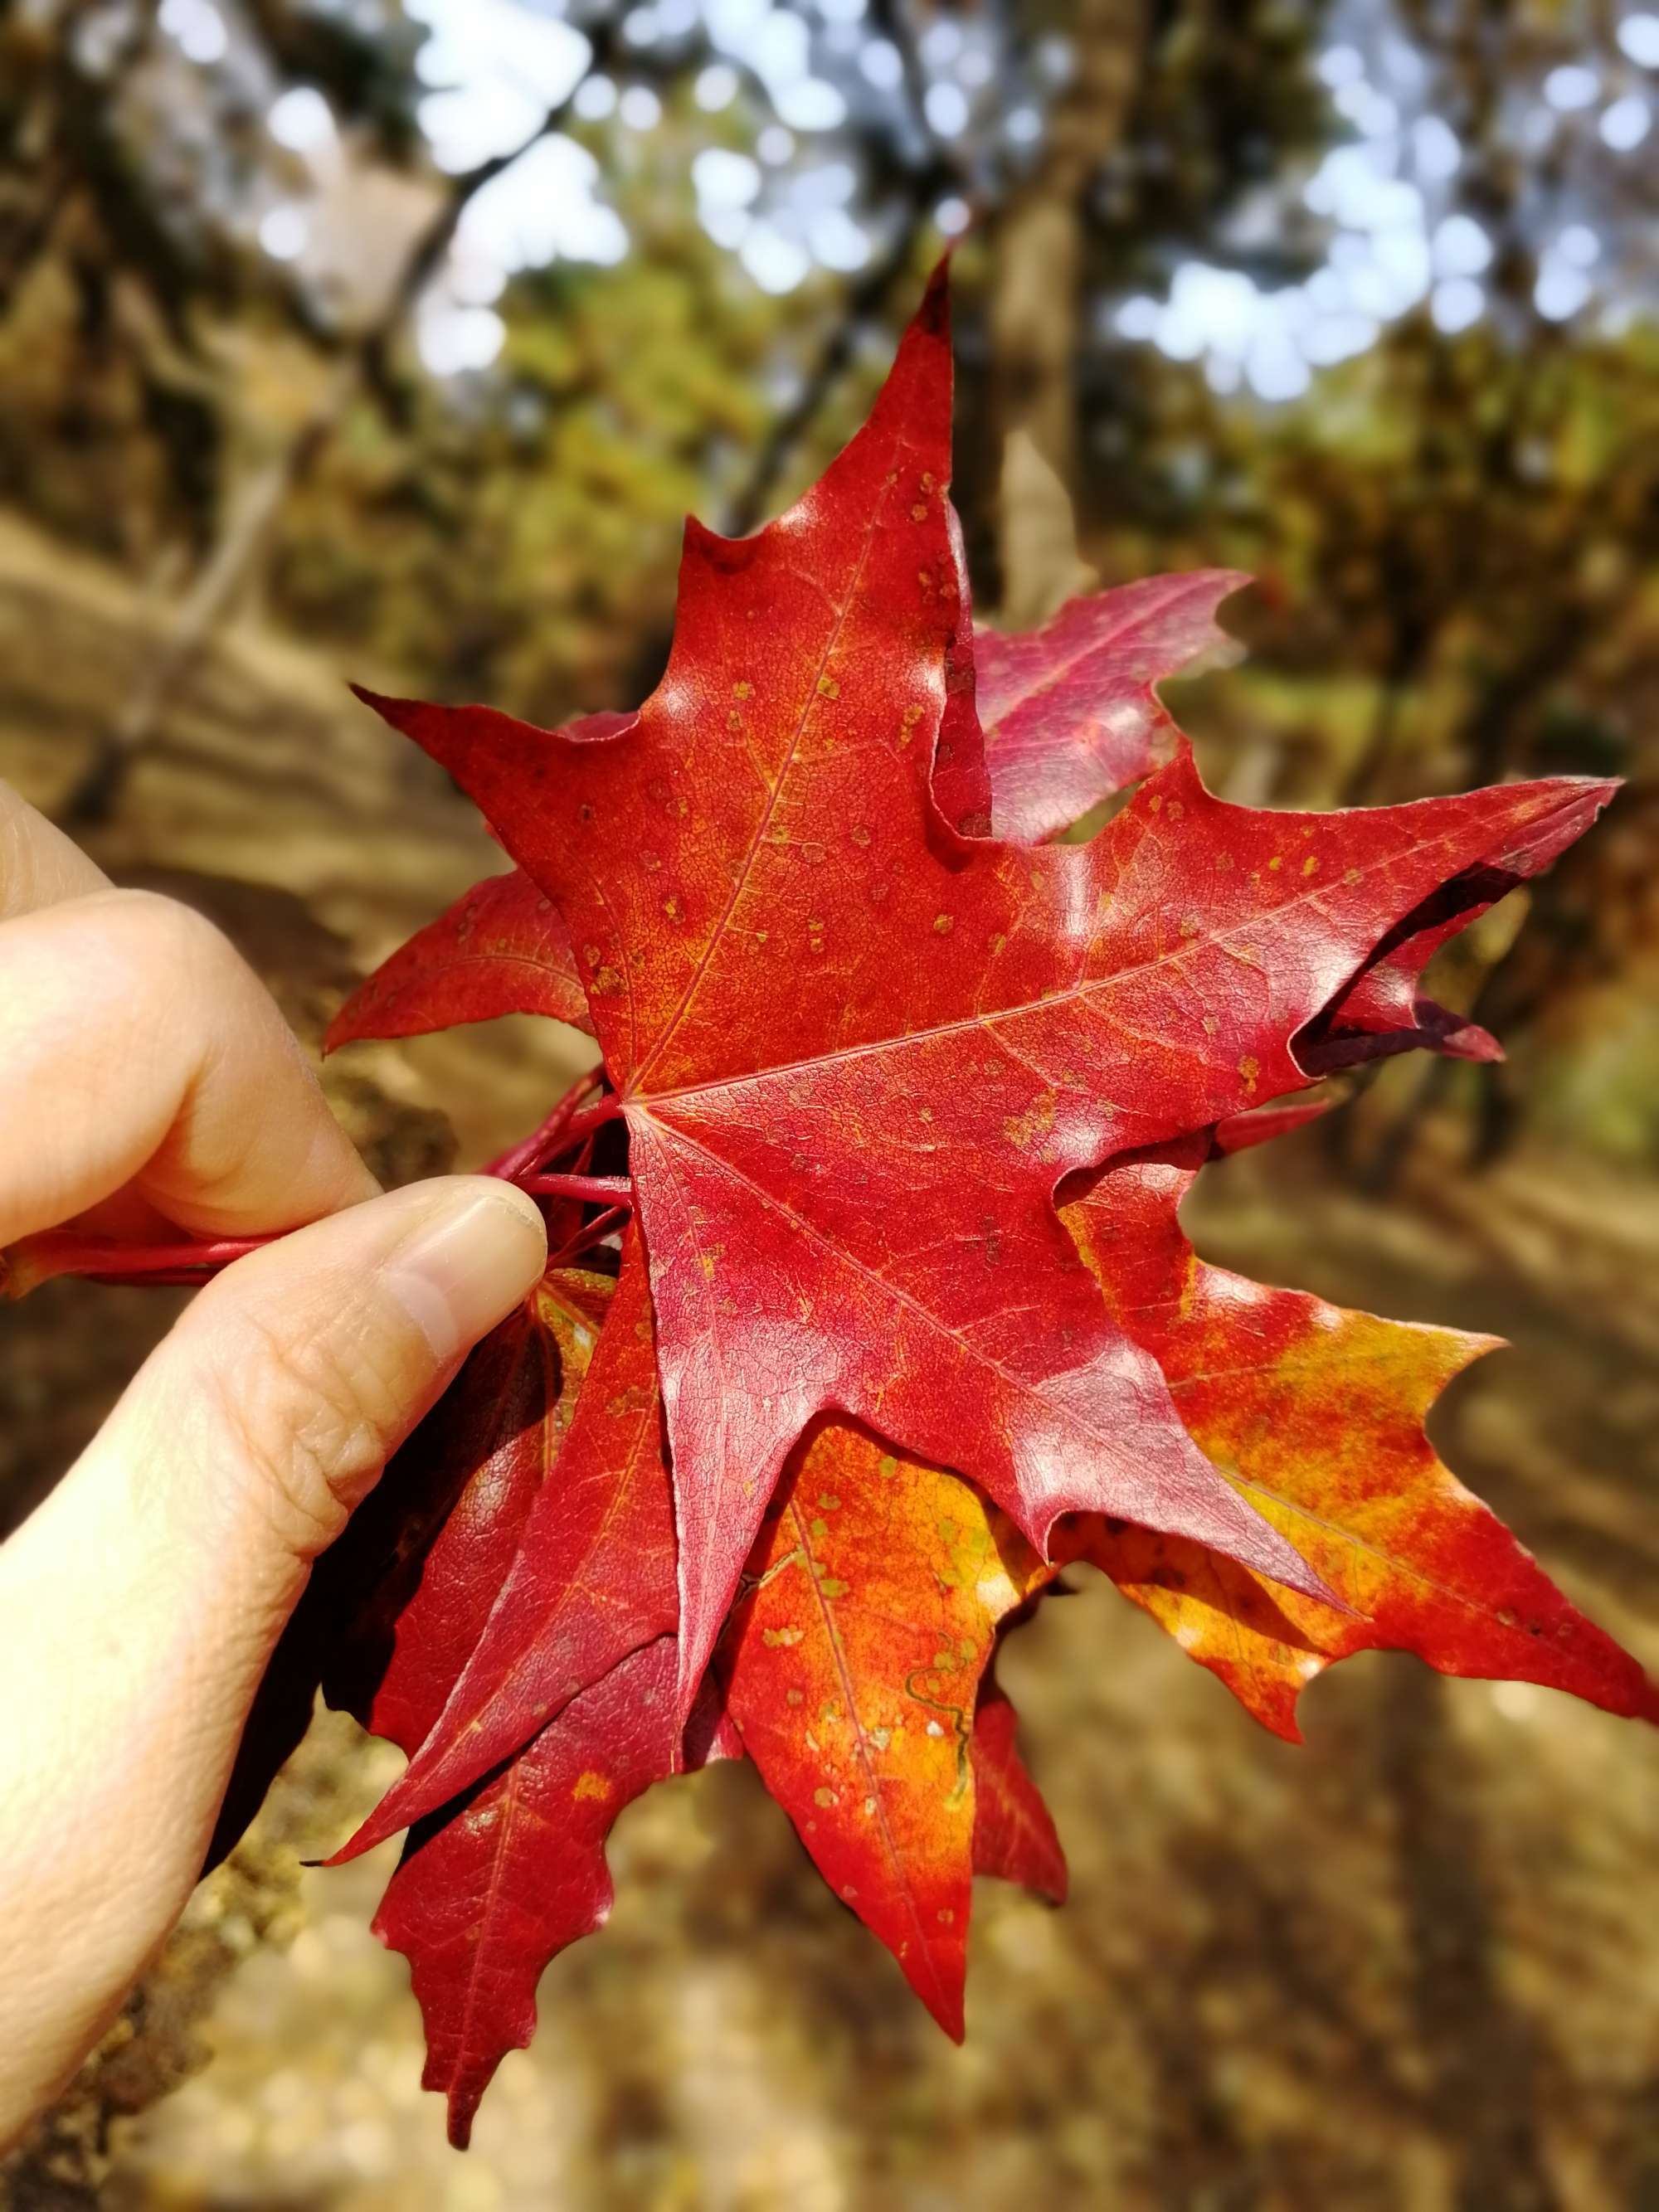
869	1308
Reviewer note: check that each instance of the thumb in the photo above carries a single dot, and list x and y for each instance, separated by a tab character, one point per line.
143	1600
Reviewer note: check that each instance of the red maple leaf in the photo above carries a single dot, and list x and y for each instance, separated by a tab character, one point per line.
908	1110
1014	1834
493	1887
851	1668
855	1051
587	1580
1317	1415
1070	712
535	1493
501	949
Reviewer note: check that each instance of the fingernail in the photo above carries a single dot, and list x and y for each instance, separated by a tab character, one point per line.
461	1274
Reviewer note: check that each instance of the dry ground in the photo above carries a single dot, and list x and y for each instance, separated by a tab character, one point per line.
1412	1967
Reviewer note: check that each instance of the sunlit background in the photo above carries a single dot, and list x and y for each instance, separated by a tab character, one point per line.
1392	218
341	338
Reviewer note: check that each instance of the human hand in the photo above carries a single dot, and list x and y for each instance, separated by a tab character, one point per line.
147	1084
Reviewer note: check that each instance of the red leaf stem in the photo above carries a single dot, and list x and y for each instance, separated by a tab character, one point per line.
595	1232
36	1260
607	1190
608	1109
555	1130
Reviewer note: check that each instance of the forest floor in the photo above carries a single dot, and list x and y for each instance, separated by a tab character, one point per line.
1412	1967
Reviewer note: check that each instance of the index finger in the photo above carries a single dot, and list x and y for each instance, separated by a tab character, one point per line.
139	1051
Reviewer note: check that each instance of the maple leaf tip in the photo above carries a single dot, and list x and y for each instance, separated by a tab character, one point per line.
945	2007
699	542
1476	1344
934	312
1595	792
371	1833
1224	583
1286	1726
401	714
1471	1043
1261	1125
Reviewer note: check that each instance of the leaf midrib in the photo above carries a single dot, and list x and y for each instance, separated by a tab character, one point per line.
633	1096
740	885
1185	588
844	1675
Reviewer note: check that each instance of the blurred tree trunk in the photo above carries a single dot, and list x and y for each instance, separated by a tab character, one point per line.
1036	308
252	518
365	365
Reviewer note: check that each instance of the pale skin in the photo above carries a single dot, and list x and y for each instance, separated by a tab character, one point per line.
148	1084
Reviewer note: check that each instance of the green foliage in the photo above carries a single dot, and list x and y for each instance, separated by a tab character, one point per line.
527	543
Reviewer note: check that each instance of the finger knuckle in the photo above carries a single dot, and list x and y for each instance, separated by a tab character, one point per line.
165	934
307	1425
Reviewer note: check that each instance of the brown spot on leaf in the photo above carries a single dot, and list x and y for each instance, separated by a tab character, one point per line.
1024	1130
